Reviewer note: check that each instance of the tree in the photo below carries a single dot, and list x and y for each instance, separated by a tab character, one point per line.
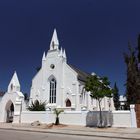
99	88
132	83
57	112
116	97
138	77
139	48
37	106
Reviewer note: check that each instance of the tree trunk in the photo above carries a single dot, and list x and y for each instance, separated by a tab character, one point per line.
101	119
57	121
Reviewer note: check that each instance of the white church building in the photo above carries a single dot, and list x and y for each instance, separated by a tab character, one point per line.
61	85
57	83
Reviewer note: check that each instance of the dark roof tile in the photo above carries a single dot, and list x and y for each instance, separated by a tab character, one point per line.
82	76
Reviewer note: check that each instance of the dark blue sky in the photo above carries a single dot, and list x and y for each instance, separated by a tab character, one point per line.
95	33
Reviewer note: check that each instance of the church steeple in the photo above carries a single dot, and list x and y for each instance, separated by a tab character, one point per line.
54	45
14	84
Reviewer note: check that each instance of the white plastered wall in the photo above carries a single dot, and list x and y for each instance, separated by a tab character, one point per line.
17	98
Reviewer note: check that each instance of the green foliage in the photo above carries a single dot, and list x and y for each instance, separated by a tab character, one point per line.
116	97
139	48
37	106
133	77
99	87
57	112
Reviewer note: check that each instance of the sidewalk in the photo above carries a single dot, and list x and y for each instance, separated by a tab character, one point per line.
122	133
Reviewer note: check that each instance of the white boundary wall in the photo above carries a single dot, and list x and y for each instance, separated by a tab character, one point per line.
71	117
31	116
119	119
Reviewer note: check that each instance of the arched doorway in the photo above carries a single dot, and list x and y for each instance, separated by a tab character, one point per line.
68	103
9	112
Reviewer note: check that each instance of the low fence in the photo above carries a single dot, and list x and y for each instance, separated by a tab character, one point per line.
121	119
31	116
72	117
83	118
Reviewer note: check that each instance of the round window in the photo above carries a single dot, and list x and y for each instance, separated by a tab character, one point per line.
52	66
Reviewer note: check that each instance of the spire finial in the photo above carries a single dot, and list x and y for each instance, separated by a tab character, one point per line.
61	52
54	42
64	54
44	57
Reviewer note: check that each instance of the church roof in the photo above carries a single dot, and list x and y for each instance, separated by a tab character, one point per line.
82	76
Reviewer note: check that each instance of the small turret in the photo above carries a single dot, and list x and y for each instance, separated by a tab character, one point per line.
43	59
64	54
14	84
61	52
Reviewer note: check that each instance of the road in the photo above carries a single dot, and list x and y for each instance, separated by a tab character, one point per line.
24	135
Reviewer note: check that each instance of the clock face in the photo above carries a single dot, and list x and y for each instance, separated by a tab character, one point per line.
52	66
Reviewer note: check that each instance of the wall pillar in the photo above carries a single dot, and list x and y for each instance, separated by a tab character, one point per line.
77	96
18	110
133	116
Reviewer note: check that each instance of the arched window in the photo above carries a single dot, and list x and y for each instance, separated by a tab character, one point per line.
52	91
12	87
68	103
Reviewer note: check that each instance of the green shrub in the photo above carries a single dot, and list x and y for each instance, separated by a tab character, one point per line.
37	106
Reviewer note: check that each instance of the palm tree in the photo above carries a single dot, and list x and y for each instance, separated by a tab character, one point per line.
57	112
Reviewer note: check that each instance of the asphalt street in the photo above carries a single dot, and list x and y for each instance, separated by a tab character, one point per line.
25	135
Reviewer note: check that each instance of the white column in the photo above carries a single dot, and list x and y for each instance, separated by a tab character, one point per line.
133	116
18	111
62	97
77	97
74	95
112	104
106	104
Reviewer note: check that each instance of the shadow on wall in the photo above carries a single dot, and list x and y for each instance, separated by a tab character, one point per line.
93	119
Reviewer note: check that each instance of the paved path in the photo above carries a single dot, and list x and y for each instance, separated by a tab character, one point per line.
108	133
24	135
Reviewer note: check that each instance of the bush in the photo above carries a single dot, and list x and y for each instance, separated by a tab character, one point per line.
37	106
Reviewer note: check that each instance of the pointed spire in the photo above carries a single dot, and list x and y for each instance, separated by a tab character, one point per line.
15	79
14	84
44	57
61	52
64	54
54	42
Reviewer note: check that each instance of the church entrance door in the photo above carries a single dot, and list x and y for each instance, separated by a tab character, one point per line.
68	103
